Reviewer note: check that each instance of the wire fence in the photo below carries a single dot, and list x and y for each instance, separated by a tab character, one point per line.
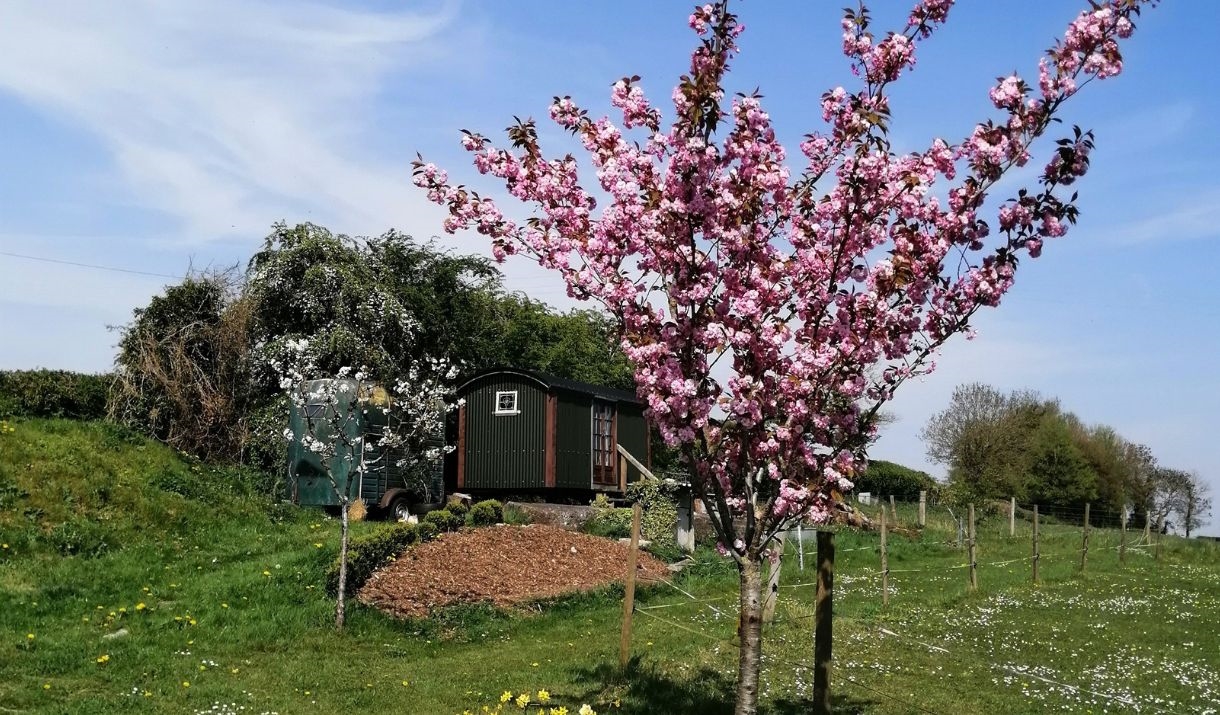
1064	539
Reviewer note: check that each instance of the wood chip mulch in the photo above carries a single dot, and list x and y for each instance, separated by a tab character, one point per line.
502	565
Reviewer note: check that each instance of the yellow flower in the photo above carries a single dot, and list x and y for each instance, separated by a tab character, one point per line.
317	545
186	683
224	605
522	700
103	659
543	696
140	606
561	710
506	696
266	573
586	710
29	636
46	686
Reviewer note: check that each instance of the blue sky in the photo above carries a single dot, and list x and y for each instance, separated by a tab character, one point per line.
155	136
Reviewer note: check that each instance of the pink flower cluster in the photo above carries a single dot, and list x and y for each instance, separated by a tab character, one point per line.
820	303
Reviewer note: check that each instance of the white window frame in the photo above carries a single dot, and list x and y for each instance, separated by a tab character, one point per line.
516	410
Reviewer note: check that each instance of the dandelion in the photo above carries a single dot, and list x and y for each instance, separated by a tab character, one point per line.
103	659
29	636
140	606
46	686
186	683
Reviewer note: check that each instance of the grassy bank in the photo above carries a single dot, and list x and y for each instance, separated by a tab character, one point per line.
206	598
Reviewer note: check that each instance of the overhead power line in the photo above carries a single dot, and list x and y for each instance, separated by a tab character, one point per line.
88	265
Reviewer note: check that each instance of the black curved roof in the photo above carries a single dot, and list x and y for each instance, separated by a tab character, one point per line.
552	382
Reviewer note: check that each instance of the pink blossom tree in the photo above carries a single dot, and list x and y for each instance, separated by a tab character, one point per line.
822	287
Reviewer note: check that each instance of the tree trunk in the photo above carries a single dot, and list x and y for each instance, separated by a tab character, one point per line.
750	630
341	604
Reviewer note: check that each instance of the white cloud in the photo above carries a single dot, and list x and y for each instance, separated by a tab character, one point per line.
225	116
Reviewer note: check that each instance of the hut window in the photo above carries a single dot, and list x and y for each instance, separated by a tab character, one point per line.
506	403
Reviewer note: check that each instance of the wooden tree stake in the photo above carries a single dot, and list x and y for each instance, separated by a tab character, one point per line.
1012	517
923	508
771	598
893	510
823	623
624	651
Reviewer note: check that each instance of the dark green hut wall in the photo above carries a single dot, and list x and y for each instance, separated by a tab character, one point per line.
633	435
574	442
505	451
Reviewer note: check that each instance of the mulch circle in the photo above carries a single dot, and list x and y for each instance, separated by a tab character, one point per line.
502	565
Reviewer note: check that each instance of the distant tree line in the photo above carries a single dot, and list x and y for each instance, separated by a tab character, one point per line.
999	445
194	367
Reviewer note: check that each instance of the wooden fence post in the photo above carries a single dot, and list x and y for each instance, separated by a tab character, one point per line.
624	650
823	623
1012	517
923	508
1122	538
772	595
893	510
1037	555
885	565
1084	553
974	573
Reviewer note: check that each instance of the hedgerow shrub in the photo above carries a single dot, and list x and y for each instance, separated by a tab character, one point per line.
884	478
486	513
366	554
53	393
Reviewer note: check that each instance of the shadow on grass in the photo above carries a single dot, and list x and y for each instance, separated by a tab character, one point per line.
643	688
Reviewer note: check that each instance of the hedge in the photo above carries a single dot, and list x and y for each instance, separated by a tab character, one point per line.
53	393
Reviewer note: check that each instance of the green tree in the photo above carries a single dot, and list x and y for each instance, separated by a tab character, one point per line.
1058	475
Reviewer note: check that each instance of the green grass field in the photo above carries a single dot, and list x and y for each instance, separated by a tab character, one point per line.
216	596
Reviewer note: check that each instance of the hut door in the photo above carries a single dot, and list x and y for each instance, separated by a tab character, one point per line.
603	444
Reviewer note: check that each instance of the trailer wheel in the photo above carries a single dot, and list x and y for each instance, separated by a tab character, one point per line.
399	508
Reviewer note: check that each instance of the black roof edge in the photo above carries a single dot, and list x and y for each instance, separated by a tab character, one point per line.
558	383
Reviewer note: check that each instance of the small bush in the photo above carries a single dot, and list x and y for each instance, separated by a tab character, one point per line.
658	500
426	530
53	394
516	517
607	520
486	513
366	554
459	508
444	520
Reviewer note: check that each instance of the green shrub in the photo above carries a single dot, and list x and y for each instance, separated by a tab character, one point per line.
444	520
426	531
660	509
486	513
606	520
53	393
368	553
459	508
515	516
